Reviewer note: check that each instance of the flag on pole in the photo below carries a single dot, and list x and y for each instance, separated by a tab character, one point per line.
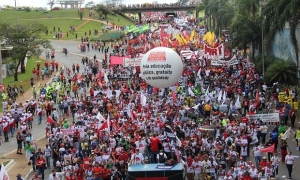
224	96
237	103
191	93
128	111
207	95
220	96
169	134
269	149
50	120
143	99
287	134
100	117
108	124
3	173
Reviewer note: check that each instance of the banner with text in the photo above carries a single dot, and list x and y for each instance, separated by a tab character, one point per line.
231	62
72	131
133	62
272	117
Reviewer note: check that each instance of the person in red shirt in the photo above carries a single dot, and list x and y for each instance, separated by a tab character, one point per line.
123	156
97	171
246	105
86	162
71	177
154	145
263	163
106	173
80	173
244	119
40	163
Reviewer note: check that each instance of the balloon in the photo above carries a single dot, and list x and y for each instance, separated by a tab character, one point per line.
161	67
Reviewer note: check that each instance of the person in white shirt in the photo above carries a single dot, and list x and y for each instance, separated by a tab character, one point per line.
137	157
263	175
56	175
289	163
274	161
257	153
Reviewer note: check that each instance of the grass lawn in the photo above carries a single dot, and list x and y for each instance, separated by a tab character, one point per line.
64	25
24	79
64	14
116	19
107	36
91	25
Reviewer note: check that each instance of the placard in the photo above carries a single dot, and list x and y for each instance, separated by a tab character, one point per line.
272	117
133	62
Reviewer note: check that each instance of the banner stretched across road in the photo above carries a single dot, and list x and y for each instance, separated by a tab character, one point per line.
272	117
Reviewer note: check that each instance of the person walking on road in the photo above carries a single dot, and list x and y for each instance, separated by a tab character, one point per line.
41	163
289	163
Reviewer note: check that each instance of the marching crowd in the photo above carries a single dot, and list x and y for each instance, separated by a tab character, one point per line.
98	125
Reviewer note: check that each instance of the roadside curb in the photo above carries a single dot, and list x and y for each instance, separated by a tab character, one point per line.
10	164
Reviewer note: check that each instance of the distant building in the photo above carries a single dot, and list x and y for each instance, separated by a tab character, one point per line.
73	4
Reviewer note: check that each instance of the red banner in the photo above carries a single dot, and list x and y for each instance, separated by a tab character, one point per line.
269	149
153	178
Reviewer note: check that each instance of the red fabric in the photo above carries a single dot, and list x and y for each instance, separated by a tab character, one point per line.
269	149
50	120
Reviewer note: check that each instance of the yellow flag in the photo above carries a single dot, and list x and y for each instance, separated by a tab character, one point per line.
192	36
183	39
178	38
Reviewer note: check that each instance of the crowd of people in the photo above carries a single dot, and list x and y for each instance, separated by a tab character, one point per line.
98	124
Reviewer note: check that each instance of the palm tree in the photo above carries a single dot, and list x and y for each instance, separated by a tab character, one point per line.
284	72
249	7
246	31
226	12
277	14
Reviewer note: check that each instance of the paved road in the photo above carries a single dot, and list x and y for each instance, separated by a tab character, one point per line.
74	56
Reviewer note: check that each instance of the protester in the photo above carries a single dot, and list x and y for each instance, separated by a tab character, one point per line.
101	117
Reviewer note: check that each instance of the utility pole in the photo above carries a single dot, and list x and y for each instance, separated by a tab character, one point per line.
16	12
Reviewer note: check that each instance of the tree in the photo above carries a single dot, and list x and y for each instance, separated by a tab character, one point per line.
101	9
51	4
277	14
284	72
25	40
246	31
258	61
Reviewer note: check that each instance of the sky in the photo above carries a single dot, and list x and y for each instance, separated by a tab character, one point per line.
43	3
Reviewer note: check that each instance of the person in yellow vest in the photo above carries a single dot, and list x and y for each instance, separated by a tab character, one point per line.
295	105
297	137
281	97
207	109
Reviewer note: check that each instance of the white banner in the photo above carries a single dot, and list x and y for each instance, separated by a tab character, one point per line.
72	131
123	76
272	117
231	62
133	62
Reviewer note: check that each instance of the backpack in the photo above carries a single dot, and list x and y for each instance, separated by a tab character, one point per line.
161	158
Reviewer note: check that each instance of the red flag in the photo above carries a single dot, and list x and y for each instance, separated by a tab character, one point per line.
50	120
173	95
257	99
270	149
104	126
133	115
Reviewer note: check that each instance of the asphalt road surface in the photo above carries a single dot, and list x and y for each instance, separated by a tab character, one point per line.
74	56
